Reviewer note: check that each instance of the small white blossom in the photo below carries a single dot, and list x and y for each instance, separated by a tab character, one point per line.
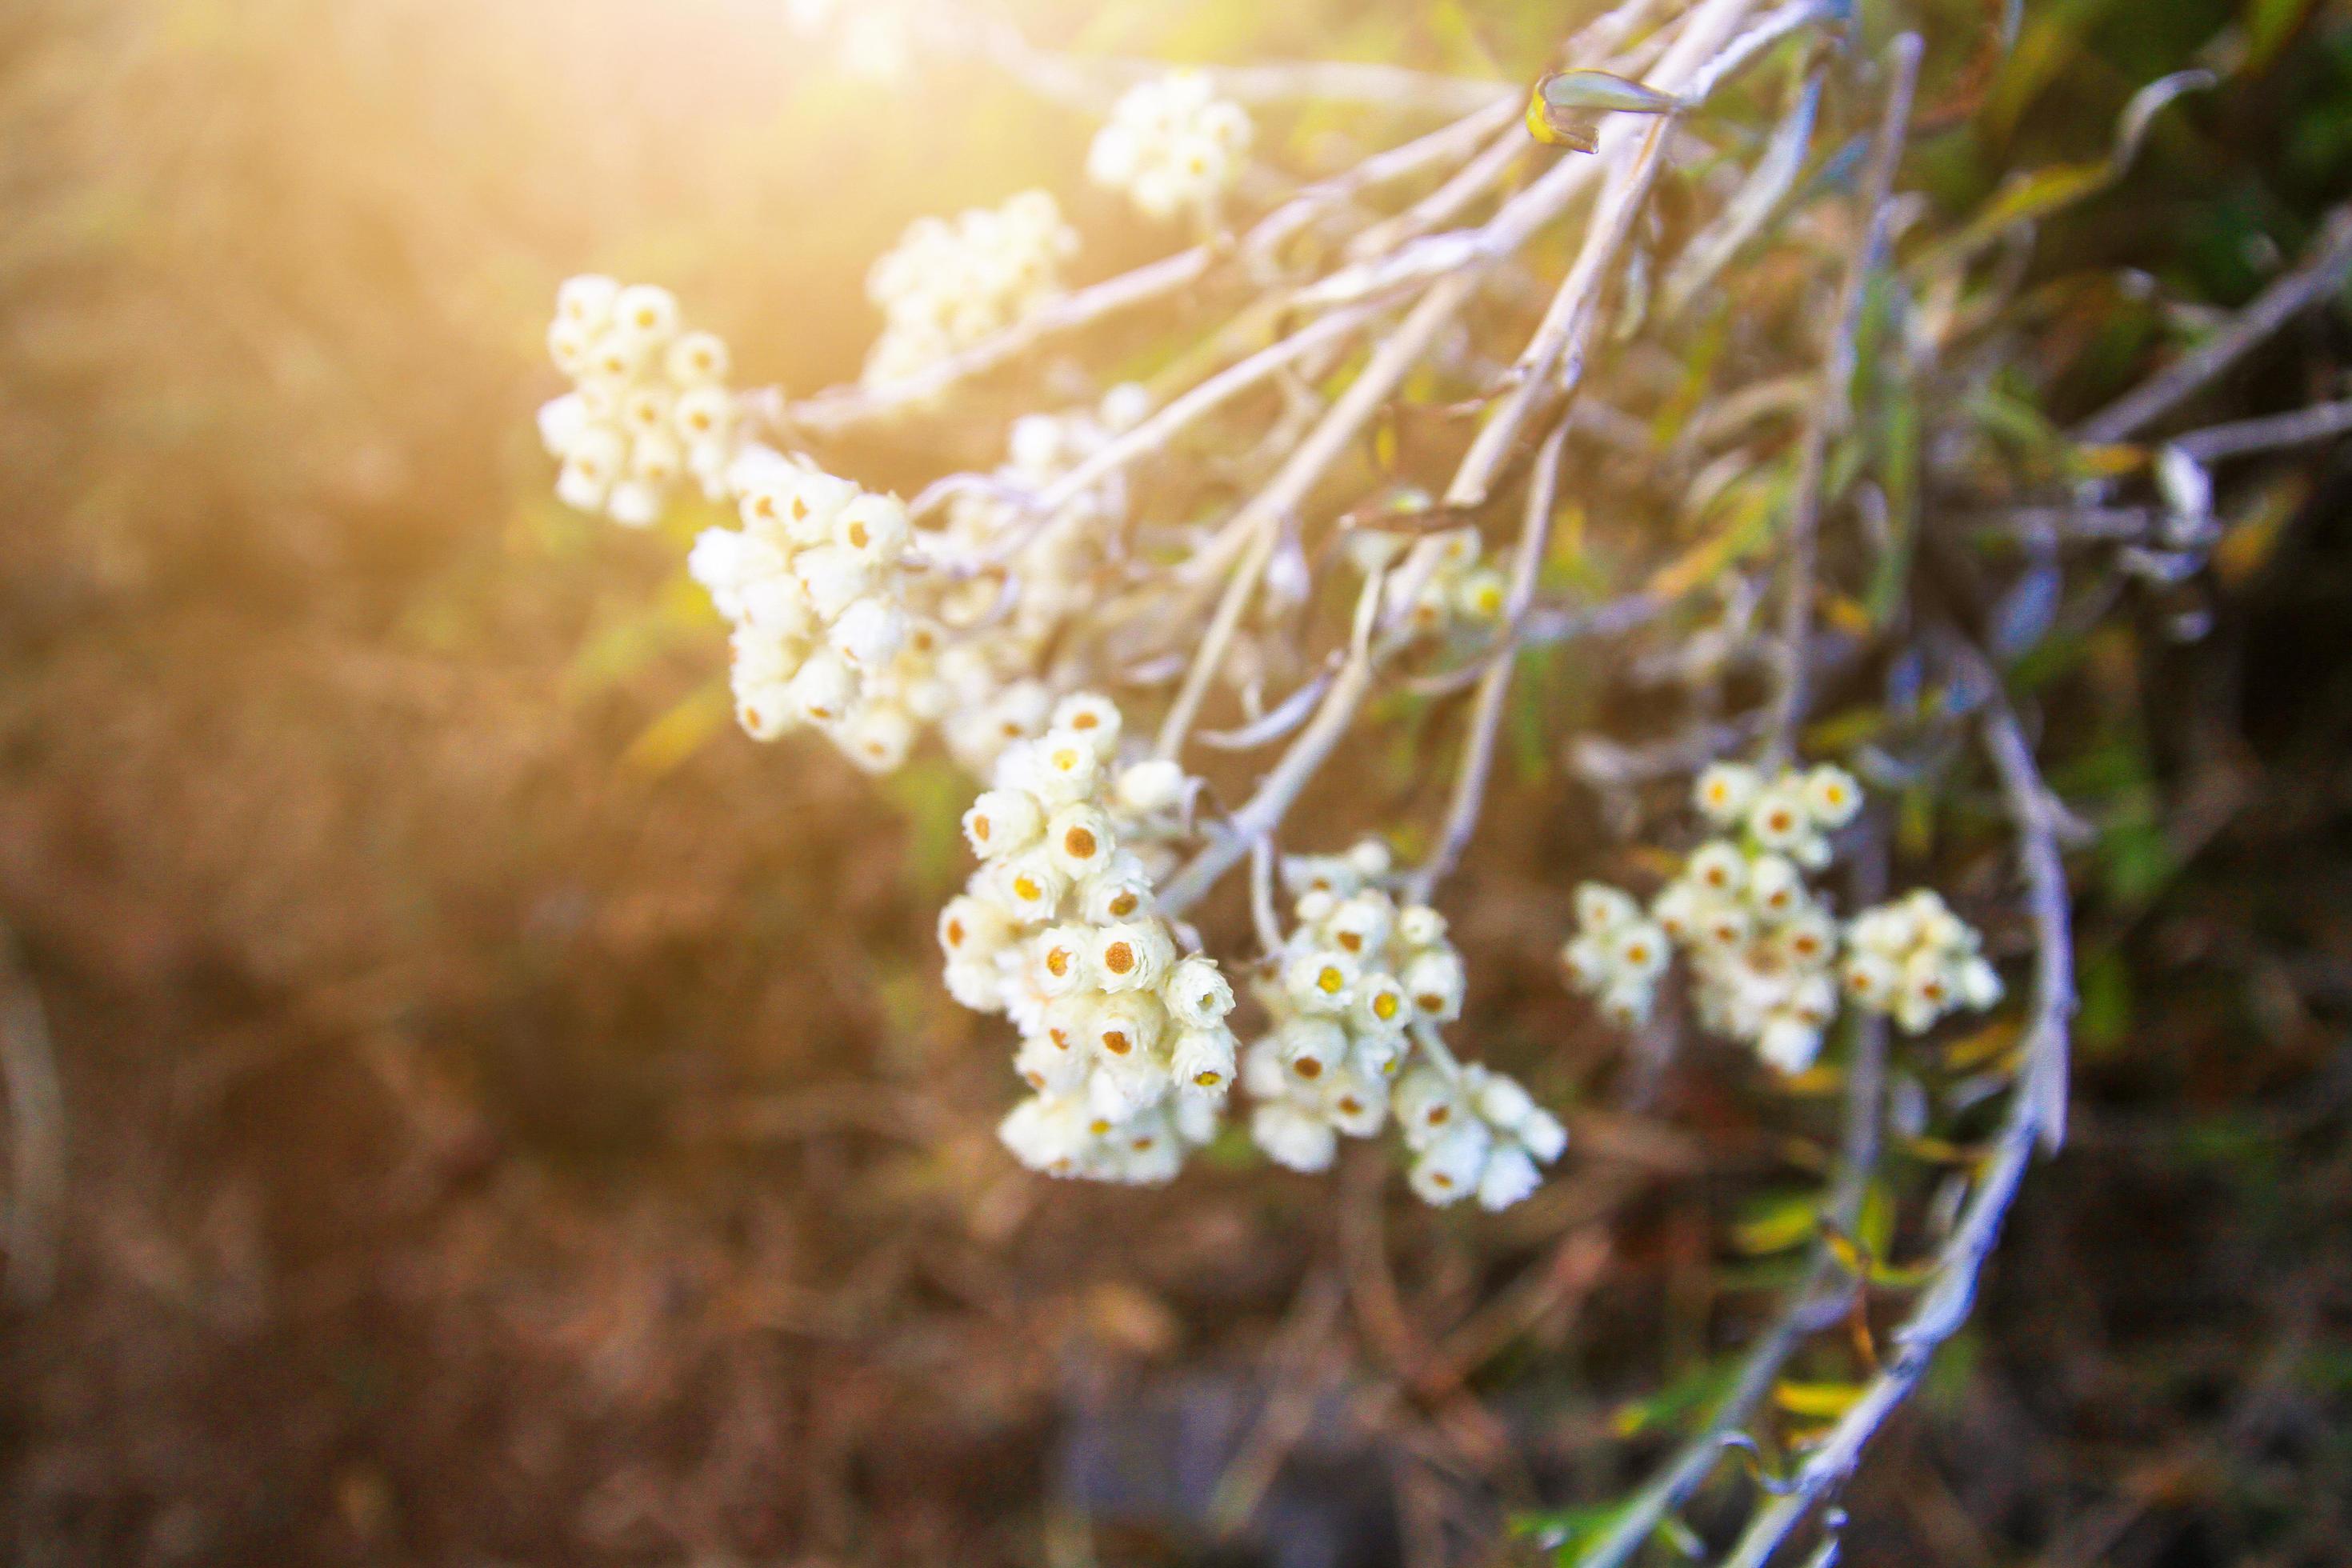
645	398
949	283
1916	961
1171	144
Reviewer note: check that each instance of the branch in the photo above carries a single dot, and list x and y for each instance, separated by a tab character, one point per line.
37	1141
1264	810
845	405
2317	277
1834	408
1494	687
2036	1114
2319	422
1154	434
1258	522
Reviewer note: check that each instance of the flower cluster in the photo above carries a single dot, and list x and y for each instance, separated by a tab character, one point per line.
1617	954
1473	1129
1171	144
648	409
949	283
1916	960
815	585
1123	1040
1354	996
1792	814
1762	945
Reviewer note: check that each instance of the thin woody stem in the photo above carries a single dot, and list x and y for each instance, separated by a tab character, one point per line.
1833	408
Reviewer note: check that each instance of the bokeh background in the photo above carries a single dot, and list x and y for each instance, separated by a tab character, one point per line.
510	1118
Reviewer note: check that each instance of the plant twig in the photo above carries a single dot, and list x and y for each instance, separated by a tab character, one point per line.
1494	687
37	1144
1834	406
2319	422
1259	520
2321	275
2036	1116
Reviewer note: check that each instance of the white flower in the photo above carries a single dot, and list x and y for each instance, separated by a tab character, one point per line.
581	486
645	313
697	359
1063	768
1779	818
1776	888
1171	144
1450	1167
1418	925
1355	1103
1149	787
1540	1133
1293	1137
1330	874
1003	822
1126	1028
877	738
765	709
1725	790
633	503
1381	1006
1198	994
1133	955
1361	925
1831	795
971	929
1980	985
1203	1059
1048	1069
562	421
1312	1047
1638	952
978	986
1717	867
825	690
1789	1043
1044	1133
1321	980
1602	909
1435	983
872	528
1509	1175
1062	960
586	302
1428	1103
1121	892
1092	718
868	632
705	414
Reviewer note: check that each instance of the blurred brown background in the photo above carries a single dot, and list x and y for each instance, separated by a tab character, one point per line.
511	1118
